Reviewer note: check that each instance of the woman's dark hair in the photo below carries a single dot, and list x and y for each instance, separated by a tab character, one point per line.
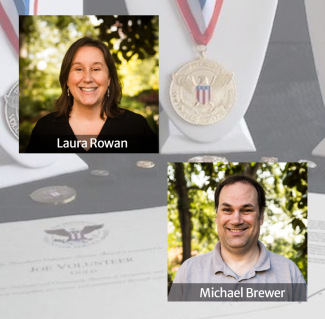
244	180
63	104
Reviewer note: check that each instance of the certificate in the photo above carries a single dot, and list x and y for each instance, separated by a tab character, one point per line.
100	265
114	265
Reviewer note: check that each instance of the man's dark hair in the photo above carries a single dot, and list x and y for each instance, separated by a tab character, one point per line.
244	180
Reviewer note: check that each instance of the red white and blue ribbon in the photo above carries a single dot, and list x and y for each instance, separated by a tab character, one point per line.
31	6
9	17
201	17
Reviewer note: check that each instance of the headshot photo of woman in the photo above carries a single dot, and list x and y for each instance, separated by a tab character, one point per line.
88	109
89	84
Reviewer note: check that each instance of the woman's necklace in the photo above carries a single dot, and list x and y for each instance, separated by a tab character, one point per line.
78	123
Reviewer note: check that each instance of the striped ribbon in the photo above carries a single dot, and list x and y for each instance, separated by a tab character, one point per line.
9	17
201	17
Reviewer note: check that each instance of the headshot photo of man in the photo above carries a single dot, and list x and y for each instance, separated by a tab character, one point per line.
234	228
239	255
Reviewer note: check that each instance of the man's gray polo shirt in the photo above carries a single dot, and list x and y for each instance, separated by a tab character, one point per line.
211	268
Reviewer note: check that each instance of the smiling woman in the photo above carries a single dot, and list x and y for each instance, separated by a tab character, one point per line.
88	108
88	83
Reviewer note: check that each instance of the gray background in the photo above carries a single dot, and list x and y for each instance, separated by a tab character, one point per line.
286	119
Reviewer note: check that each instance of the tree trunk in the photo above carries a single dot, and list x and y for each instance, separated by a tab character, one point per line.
22	38
251	171
183	206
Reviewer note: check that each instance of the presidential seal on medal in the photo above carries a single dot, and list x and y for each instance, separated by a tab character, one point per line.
12	109
202	92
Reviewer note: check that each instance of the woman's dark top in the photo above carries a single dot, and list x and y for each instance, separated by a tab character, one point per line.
51	133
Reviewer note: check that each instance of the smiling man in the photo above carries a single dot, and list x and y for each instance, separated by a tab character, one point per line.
239	256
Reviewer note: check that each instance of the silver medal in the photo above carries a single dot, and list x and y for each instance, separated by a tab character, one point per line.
12	109
145	164
207	159
54	195
310	164
99	172
270	160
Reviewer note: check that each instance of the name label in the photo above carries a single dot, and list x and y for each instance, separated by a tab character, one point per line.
93	142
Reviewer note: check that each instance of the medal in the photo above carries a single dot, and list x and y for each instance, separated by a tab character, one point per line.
270	160
208	159
12	110
99	172
9	15
202	92
54	195
145	164
310	164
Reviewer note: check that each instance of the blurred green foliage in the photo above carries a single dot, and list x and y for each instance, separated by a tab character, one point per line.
284	230
137	35
43	43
